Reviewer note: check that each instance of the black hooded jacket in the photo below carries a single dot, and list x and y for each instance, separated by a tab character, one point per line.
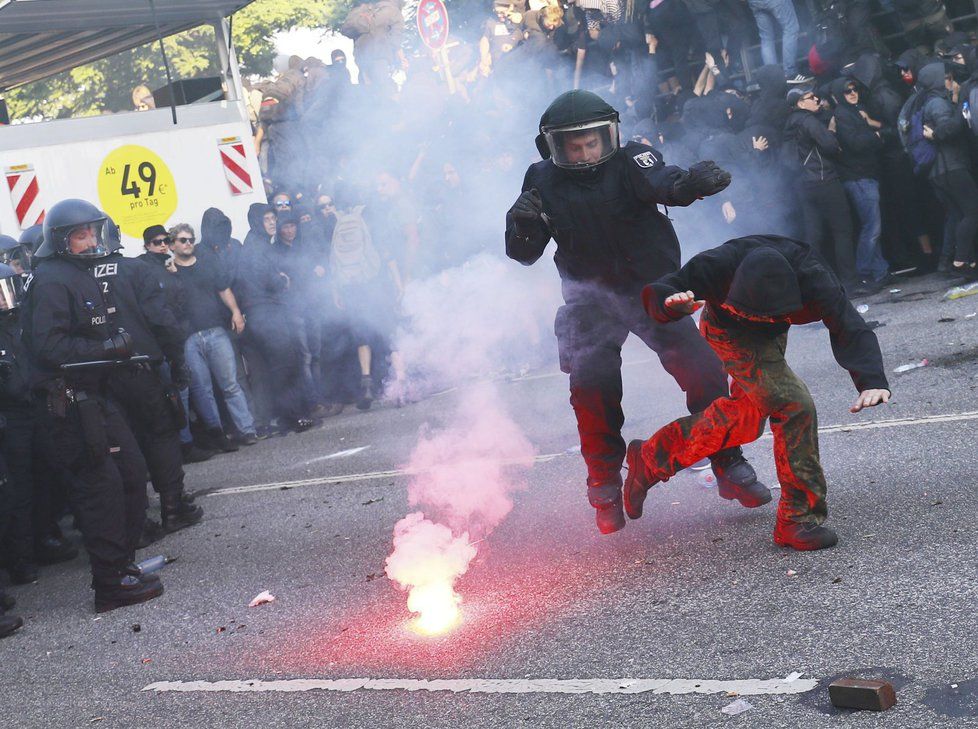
216	244
709	275
940	114
881	100
861	145
810	149
770	108
256	225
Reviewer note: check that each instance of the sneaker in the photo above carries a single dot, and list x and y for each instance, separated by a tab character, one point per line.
247	439
799	79
736	479
126	590
804	536
221	441
638	482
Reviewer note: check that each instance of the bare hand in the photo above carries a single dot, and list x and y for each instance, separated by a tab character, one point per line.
869	398
684	303
832	125
928	132
170	265
760	143
237	322
729	212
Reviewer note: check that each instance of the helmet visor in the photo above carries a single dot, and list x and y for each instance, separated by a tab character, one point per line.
11	289
86	240
581	146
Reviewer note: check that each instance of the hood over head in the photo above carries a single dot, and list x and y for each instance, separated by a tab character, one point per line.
764	284
931	77
771	81
215	228
256	215
867	70
838	90
912	60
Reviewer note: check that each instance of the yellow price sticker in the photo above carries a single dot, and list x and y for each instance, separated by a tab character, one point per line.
136	189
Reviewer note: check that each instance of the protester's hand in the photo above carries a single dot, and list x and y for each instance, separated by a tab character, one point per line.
832	124
702	179
684	303
170	265
527	212
869	399
652	42
710	61
729	212
760	143
928	132
237	322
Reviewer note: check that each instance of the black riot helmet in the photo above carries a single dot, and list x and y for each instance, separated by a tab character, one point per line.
578	131
13	253
11	288
32	238
74	229
113	236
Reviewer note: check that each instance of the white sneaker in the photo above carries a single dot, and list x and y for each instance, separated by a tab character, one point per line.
800	79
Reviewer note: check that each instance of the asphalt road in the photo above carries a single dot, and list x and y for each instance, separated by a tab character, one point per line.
695	590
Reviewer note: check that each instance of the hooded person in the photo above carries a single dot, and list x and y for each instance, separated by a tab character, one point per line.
769	107
599	202
261	225
936	137
216	244
751	291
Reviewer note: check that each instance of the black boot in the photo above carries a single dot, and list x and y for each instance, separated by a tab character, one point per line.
23	573
804	536
10	624
606	500
178	514
152	532
52	550
638	481
124	590
219	440
736	479
193	454
366	392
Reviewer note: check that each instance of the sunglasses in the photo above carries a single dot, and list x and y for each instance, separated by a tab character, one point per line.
326	206
183	239
283	204
161	241
852	90
808	97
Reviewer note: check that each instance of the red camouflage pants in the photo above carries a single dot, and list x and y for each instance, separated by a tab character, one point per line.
763	387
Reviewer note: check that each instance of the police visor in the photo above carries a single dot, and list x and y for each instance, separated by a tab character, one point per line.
87	240
11	289
581	146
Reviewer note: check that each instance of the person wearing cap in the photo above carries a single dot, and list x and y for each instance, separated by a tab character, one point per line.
599	201
751	291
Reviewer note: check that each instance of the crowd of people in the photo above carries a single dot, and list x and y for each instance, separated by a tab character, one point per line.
860	146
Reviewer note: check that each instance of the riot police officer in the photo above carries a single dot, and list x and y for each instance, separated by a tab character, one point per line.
598	201
66	322
137	304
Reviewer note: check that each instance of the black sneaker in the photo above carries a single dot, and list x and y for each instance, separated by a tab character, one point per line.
736	479
10	624
638	481
221	441
247	439
805	537
126	590
52	550
193	454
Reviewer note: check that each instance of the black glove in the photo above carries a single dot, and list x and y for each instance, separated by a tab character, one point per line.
702	180
180	374
527	213
118	346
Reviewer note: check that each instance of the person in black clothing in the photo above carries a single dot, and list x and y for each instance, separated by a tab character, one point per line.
768	108
216	244
136	303
66	321
949	172
859	168
598	201
810	151
753	290
262	225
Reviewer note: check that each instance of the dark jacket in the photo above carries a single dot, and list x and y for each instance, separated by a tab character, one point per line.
810	149
940	114
709	276
881	100
15	390
606	222
770	108
861	145
216	244
256	231
170	283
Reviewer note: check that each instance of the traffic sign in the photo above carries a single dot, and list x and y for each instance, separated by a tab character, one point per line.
433	23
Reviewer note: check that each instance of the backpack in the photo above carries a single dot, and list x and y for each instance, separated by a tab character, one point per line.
353	258
921	150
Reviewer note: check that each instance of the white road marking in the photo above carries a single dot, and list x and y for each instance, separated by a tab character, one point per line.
547	457
340	454
747	687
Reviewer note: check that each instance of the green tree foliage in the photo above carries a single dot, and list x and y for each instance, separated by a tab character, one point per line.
106	85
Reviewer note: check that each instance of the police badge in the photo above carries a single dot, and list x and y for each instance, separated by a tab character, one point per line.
645	159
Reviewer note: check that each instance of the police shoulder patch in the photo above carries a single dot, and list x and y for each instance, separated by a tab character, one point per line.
645	159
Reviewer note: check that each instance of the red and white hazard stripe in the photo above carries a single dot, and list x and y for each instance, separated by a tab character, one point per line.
235	165
25	195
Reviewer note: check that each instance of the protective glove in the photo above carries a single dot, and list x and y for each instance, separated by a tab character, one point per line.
118	346
702	180
527	213
180	374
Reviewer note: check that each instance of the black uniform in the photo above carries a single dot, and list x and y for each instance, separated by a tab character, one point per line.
16	445
65	320
611	241
137	304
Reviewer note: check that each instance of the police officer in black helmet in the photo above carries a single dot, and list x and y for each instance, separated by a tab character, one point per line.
598	201
66	322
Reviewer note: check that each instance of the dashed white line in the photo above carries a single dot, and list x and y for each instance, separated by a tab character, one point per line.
747	687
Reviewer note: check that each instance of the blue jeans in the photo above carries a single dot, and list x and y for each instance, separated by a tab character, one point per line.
210	353
772	13
865	198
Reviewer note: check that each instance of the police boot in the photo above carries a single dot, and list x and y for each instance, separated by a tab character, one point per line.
736	479
638	481
123	590
10	624
152	532
804	536
177	513
52	550
193	454
606	499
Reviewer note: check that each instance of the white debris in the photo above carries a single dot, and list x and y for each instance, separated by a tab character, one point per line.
911	366
261	598
737	707
793	676
792	573
862	308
